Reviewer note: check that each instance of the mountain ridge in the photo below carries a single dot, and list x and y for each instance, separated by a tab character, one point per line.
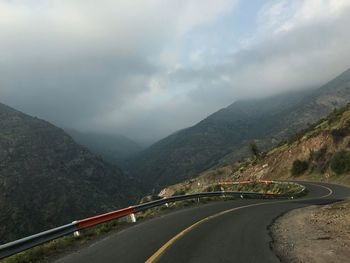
223	136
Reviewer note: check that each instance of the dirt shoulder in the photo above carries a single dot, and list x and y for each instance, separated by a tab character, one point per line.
313	234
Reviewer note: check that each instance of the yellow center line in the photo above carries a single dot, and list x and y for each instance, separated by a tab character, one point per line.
161	250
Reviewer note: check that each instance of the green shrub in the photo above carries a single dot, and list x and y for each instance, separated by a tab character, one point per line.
214	188
254	149
339	134
340	162
299	167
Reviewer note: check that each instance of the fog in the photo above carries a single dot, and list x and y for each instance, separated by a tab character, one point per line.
145	69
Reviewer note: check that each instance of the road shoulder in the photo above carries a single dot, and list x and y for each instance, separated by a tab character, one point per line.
313	234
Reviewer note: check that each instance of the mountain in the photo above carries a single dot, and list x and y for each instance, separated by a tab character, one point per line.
319	153
112	148
223	136
46	179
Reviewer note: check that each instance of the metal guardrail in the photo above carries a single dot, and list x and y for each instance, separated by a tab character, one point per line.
20	245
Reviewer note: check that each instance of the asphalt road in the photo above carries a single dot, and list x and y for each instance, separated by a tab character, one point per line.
230	231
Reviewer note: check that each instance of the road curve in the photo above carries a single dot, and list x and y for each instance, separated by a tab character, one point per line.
230	231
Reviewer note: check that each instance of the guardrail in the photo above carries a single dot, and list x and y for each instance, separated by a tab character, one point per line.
20	245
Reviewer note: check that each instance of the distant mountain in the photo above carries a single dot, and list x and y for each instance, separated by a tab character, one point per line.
223	136
46	179
112	148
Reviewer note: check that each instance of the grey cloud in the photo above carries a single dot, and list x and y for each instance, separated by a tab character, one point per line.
92	69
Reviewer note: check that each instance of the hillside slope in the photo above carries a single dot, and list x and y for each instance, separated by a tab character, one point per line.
321	153
223	136
46	179
112	148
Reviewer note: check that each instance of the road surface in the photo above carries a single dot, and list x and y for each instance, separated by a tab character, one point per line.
230	231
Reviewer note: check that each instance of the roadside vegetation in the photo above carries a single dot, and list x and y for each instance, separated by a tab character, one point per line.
283	189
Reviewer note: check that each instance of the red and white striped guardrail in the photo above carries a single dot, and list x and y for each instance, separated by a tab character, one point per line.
20	245
248	182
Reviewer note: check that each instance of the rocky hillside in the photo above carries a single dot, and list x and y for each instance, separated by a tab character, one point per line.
223	136
321	152
46	179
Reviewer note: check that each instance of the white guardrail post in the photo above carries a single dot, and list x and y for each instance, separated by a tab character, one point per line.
133	218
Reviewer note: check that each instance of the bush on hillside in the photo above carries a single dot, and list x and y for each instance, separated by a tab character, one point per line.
299	167
340	162
318	155
339	134
254	149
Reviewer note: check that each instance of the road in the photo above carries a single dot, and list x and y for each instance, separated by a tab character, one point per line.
230	231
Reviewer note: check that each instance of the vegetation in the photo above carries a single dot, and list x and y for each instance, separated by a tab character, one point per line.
339	134
253	149
262	187
340	162
299	167
318	160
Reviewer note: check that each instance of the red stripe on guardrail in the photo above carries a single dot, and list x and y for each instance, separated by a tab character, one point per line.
264	181
95	220
270	195
246	182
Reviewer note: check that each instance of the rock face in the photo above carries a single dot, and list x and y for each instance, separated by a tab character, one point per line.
46	179
224	135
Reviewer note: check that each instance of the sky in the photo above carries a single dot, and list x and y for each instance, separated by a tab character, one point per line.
146	68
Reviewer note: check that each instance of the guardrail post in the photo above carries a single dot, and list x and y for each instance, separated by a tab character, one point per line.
166	204
76	234
133	218
223	194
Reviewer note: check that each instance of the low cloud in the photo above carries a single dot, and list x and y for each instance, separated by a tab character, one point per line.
130	66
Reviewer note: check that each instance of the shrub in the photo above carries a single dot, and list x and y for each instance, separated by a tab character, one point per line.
214	188
253	149
339	134
318	155
340	162
299	167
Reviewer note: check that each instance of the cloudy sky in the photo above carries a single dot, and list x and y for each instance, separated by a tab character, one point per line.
145	68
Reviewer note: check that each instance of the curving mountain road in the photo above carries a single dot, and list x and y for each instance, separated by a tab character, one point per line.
230	231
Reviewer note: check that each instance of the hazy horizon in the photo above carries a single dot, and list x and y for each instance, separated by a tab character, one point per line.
145	69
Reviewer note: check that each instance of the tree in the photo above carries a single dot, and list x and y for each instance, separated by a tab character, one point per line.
253	149
340	162
299	167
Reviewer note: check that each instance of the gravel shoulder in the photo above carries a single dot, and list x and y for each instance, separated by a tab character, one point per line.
313	234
